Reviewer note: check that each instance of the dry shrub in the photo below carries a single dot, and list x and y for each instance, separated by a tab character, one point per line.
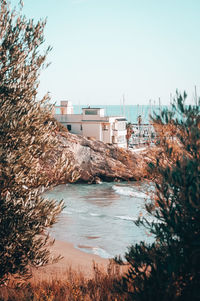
76	287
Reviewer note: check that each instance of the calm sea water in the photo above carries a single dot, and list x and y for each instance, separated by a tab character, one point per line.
99	218
131	112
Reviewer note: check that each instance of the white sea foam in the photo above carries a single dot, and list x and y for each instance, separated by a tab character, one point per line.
152	219
126	217
123	190
127	191
139	194
101	252
95	214
94	250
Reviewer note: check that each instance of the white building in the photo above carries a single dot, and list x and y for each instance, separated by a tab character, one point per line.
93	124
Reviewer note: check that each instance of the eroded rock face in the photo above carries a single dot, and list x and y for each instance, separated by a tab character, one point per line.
97	161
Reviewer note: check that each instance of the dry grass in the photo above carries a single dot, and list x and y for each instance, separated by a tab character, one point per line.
102	286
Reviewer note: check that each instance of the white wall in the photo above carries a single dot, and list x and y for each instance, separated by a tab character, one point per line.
106	134
68	118
76	129
94	117
92	130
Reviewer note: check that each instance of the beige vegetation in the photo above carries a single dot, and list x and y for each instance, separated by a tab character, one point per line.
77	276
101	287
72	258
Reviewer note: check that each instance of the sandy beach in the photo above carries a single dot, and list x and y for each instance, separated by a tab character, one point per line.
73	259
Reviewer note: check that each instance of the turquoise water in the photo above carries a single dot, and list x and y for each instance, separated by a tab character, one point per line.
99	219
131	112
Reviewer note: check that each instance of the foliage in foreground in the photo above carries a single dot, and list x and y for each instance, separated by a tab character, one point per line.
169	268
27	135
102	286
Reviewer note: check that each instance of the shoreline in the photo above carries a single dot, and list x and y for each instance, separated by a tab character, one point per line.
73	260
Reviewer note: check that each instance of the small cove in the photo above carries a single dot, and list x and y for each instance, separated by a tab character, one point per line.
99	219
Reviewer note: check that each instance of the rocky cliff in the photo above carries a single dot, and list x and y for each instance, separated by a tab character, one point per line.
91	161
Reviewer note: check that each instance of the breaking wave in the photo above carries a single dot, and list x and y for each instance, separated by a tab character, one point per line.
128	191
95	250
101	252
125	217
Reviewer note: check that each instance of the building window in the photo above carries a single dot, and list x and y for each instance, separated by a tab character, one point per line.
81	128
90	112
69	127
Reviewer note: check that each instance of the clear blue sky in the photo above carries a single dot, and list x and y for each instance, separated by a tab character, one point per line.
102	49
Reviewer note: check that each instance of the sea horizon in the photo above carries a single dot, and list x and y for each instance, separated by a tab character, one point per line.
130	112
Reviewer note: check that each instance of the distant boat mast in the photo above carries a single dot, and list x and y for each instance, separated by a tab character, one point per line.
149	120
195	95
160	105
123	99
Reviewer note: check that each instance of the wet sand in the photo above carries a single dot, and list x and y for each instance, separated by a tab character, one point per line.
73	259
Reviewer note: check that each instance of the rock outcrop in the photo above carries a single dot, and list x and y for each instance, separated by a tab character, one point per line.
94	161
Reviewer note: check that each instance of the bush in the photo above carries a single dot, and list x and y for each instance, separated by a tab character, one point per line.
74	287
26	137
169	268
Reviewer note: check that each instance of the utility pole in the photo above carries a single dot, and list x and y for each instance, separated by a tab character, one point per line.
124	105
